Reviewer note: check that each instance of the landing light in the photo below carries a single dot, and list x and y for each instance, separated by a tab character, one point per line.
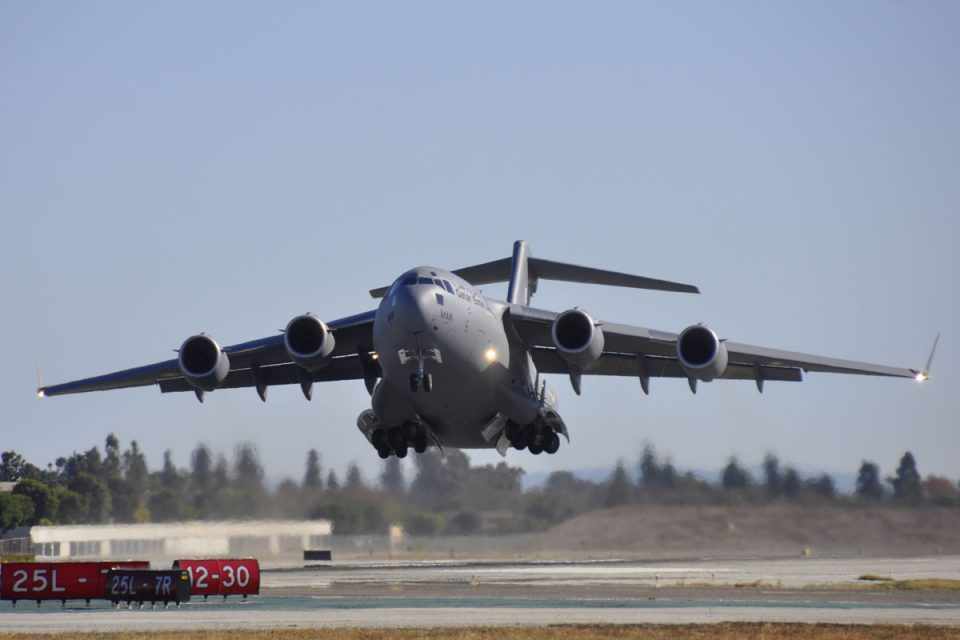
41	393
490	354
921	376
374	355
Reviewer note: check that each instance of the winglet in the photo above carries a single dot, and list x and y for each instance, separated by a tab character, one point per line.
924	374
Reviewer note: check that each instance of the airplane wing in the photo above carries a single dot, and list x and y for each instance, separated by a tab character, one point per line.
639	351
268	356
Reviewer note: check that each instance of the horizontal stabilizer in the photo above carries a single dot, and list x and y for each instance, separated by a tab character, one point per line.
540	269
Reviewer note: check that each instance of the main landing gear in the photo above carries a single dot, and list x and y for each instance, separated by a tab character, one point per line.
537	438
398	440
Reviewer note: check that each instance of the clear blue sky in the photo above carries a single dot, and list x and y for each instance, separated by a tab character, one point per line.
176	167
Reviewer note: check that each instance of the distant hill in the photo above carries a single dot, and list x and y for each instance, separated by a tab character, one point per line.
844	482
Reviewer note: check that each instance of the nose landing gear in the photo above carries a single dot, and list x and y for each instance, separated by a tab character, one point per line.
420	380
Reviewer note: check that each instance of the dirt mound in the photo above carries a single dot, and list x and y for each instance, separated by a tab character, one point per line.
661	531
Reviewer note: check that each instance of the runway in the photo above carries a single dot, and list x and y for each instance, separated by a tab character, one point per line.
516	593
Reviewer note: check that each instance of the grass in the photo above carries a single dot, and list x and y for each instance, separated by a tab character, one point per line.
723	631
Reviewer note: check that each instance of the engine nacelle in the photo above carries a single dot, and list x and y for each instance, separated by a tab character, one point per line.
701	353
578	339
309	342
203	363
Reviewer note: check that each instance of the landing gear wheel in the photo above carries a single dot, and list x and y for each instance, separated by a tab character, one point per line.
420	444
402	452
520	444
379	439
396	439
530	434
414	382
552	444
428	382
383	452
535	450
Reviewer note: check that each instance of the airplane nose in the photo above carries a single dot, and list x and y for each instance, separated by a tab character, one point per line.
413	308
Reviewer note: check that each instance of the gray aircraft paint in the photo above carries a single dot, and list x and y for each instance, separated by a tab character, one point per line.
448	364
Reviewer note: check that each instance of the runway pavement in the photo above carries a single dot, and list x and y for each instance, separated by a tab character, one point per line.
510	593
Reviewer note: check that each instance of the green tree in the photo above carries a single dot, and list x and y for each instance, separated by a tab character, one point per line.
94	495
312	478
464	523
14	467
735	477
44	499
169	475
618	487
823	486
868	482
772	478
15	511
440	479
72	508
391	479
354	478
333	484
111	462
649	468
247	468
135	476
906	484
791	484
201	481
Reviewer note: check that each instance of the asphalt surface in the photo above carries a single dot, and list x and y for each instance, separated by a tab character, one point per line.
512	593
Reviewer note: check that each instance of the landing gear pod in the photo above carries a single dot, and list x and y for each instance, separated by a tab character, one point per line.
140	585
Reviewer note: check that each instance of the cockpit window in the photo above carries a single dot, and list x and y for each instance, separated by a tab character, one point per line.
409	280
422	280
448	287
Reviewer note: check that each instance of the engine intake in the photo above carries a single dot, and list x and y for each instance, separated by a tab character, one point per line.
578	339
203	363
701	353
309	342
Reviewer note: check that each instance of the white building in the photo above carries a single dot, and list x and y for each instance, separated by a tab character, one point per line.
260	538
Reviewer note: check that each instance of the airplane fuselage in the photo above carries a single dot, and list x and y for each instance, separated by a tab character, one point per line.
444	354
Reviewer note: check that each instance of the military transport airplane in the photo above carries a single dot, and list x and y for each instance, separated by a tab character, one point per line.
446	366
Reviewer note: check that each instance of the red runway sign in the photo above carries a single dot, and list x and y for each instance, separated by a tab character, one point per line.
58	580
222	577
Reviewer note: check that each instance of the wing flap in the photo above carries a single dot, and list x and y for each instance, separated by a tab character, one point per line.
342	368
627	364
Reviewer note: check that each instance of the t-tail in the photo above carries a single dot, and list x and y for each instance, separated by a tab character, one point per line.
523	272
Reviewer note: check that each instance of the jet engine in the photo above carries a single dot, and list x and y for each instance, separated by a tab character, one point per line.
578	339
309	342
701	353
203	363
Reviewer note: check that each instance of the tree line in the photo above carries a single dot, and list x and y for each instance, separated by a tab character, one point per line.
445	495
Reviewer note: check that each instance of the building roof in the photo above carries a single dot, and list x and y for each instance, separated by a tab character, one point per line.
194	529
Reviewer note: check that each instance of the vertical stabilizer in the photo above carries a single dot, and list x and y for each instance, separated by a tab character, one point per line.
520	290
